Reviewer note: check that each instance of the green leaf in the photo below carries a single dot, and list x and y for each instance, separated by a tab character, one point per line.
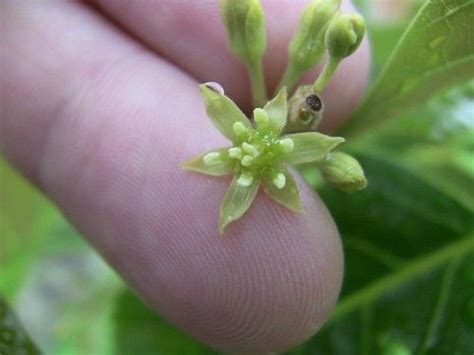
69	287
277	110
13	338
237	201
409	269
435	52
222	111
138	330
449	167
222	166
288	196
310	147
26	223
435	142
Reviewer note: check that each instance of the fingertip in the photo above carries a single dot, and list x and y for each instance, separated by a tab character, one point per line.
267	284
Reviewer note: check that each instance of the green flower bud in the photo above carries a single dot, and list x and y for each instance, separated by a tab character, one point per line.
343	172
307	46
344	35
245	28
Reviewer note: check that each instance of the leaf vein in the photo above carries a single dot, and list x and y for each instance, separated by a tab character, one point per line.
440	306
406	274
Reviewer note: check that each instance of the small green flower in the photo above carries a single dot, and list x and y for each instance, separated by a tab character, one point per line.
259	155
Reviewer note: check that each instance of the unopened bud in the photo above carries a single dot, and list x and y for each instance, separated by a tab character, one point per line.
344	35
343	172
307	46
245	28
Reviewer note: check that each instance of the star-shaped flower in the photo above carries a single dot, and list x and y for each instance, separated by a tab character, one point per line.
260	153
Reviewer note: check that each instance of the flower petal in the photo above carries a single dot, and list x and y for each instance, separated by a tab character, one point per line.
288	196
277	110
310	147
237	201
219	165
222	111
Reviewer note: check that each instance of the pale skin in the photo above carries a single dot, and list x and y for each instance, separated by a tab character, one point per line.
99	106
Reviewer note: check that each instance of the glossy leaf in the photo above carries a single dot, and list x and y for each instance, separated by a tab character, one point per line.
222	111
409	269
237	201
435	52
288	196
223	166
310	147
13	338
138	330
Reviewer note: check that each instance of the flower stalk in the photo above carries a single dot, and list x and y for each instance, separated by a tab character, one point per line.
343	37
245	26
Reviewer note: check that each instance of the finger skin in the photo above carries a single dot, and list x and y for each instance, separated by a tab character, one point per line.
101	125
191	35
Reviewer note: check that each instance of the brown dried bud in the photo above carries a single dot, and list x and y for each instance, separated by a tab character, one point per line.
305	110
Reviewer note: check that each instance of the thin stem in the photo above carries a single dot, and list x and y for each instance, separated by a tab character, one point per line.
257	83
289	79
328	71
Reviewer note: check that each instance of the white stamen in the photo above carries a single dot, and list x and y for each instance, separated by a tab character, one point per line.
245	179
261	117
279	181
212	158
239	128
287	145
250	149
235	153
247	160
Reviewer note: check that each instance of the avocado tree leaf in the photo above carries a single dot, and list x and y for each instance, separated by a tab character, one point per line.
435	52
13	338
26	222
435	142
138	330
409	281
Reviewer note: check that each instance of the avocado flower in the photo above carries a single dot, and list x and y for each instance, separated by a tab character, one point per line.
260	154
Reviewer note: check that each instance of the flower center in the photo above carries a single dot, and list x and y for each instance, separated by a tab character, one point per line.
260	154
